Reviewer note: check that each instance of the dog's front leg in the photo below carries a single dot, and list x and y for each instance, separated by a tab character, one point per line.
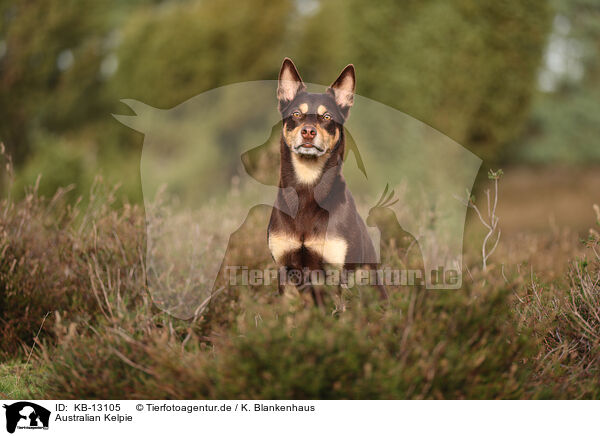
280	283
317	295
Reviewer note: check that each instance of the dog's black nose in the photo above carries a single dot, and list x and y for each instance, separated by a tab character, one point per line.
309	132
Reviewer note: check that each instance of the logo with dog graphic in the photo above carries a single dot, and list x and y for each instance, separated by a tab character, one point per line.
25	415
216	169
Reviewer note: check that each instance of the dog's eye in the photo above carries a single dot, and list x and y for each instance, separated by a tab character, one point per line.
296	114
326	116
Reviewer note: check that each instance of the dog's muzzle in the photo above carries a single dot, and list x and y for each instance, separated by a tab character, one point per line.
308	149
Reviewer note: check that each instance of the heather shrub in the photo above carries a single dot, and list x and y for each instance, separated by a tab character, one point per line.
563	314
72	281
461	344
52	251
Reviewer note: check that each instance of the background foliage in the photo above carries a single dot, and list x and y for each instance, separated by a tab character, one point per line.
515	82
470	69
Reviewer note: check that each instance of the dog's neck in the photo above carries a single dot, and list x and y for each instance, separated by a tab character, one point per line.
319	175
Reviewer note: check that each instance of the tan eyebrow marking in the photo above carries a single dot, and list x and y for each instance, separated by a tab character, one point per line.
303	108
321	109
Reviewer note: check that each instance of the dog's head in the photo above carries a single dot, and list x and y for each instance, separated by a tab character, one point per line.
313	123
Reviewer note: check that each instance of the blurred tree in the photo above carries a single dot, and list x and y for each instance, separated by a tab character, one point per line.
49	69
178	50
564	125
173	52
465	67
56	61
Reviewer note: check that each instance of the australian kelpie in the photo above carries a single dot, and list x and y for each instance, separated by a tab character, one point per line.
327	229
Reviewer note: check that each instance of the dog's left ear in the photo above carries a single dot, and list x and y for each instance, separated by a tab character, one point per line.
289	84
343	89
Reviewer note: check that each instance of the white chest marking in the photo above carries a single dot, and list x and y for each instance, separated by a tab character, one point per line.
332	250
307	171
281	243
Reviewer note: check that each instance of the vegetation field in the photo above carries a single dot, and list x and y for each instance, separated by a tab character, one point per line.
76	319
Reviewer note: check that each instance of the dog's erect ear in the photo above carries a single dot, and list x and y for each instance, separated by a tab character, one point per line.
290	82
343	88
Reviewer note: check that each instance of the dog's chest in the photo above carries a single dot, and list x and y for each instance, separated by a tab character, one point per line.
307	236
331	249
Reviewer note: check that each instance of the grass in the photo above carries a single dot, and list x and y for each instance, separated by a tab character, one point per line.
526	327
18	380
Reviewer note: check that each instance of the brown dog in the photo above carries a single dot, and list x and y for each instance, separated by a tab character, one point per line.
327	229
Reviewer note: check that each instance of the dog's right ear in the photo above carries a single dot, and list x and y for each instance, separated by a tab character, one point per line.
290	83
